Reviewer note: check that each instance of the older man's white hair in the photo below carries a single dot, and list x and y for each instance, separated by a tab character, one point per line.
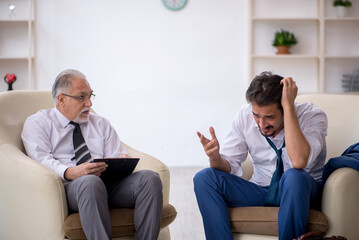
63	82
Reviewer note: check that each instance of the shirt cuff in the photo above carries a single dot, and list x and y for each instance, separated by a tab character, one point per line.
60	171
236	169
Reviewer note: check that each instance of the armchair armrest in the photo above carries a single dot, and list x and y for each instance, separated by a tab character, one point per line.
151	163
340	203
26	187
32	198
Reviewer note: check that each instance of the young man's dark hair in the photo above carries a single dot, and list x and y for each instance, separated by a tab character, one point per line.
265	89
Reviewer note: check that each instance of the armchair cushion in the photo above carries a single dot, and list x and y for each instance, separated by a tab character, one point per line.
121	219
264	220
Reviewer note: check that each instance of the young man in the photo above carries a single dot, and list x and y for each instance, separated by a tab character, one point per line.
274	130
49	137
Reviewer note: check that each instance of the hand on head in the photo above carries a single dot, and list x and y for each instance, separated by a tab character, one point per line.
289	92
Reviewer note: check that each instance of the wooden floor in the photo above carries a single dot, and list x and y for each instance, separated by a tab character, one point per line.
188	223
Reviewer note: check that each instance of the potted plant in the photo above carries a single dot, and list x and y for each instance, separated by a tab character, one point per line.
342	7
283	40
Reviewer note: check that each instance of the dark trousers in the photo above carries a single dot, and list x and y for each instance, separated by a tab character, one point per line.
141	190
217	190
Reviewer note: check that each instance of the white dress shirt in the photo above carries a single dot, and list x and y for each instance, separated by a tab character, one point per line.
47	137
245	137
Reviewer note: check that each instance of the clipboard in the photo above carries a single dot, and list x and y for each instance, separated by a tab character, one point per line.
117	170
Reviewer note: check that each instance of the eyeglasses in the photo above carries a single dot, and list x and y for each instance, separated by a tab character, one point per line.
81	98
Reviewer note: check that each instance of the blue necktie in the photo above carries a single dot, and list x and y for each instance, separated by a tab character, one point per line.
82	154
272	195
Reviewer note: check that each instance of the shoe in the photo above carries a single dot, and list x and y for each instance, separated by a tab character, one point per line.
316	235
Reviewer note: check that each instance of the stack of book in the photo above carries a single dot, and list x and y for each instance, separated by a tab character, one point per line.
350	82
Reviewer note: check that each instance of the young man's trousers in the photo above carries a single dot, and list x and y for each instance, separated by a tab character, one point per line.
217	190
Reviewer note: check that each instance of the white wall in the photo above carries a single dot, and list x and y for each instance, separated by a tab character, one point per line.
159	76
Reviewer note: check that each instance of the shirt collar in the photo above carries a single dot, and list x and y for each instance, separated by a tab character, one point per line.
64	121
278	140
279	136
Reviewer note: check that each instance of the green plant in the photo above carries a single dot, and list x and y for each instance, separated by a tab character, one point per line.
343	3
284	38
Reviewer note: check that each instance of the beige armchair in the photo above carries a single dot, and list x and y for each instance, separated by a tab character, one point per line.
32	199
340	209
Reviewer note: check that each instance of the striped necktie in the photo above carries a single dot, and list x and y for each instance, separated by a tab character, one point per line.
82	153
272	195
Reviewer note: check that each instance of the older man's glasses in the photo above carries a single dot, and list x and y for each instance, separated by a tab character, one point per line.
81	98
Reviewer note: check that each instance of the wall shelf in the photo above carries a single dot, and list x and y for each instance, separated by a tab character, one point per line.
284	19
327	45
342	19
17	43
293	56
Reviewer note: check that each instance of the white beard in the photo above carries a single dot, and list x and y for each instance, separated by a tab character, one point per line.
80	119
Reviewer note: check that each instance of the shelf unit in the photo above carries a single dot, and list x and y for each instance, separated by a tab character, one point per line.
327	47
17	43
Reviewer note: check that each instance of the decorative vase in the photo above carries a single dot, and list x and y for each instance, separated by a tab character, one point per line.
282	50
10	79
341	11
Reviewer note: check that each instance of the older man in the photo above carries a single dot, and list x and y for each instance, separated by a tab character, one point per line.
48	138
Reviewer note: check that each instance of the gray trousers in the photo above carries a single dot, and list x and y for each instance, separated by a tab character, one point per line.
141	190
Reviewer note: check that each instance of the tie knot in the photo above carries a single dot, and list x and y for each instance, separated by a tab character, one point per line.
77	126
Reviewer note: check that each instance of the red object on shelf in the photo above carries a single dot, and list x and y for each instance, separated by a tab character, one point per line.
10	78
